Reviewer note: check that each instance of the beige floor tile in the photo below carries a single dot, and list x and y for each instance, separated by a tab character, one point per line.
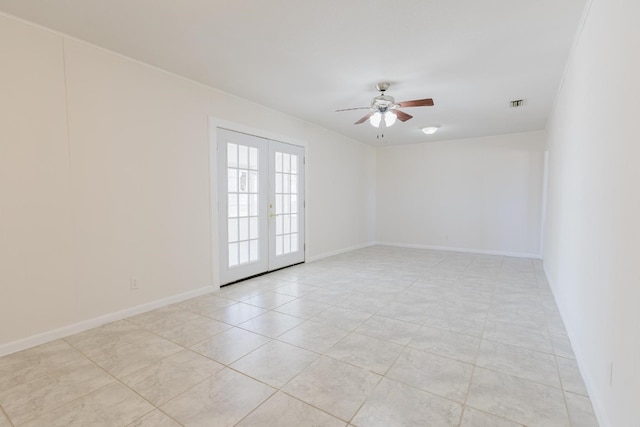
126	359
450	308
445	343
271	324
32	399
395	404
112	405
314	336
580	411
4	421
230	345
405	311
456	324
562	346
206	304
555	323
275	363
520	362
333	386
107	337
417	296
403	274
475	418
295	289
435	278
269	300
24	366
517	399
193	331
366	352
321	331
342	318
331	295
167	378
154	419
387	329
361	301
436	374
531	339
237	313
510	298
571	377
303	308
162	318
222	400
519	316
284	411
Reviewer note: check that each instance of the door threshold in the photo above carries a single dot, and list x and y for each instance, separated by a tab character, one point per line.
259	274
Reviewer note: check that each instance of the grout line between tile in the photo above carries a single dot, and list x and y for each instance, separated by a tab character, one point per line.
3	413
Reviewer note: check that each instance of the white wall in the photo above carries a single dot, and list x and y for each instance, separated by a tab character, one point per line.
104	174
341	203
479	194
591	242
36	240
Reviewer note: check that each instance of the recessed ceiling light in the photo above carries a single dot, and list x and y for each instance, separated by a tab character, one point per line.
430	130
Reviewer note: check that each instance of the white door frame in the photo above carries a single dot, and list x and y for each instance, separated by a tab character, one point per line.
214	124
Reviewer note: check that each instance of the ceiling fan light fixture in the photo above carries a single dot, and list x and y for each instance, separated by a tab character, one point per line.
390	118
375	119
430	130
384	107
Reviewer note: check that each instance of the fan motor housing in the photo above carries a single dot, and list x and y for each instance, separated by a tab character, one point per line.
383	102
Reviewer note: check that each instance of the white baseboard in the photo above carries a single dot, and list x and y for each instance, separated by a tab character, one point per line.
465	250
74	328
339	251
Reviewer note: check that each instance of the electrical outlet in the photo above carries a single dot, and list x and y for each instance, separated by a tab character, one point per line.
133	284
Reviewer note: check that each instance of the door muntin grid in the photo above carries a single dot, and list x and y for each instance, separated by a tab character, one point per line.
287	231
243	204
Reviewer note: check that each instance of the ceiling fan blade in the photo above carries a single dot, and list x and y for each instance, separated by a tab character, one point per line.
356	108
428	102
365	118
402	116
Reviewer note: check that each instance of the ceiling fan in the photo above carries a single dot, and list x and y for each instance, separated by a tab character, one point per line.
385	107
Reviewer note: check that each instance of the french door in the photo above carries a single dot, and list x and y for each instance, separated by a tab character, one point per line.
261	204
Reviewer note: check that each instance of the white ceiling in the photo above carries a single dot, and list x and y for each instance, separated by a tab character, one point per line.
309	58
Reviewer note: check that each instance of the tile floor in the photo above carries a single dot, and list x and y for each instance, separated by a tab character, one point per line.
376	337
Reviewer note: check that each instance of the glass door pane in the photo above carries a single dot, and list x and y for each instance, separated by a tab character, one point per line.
243	197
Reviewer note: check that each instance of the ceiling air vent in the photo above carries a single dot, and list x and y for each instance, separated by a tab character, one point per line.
517	103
